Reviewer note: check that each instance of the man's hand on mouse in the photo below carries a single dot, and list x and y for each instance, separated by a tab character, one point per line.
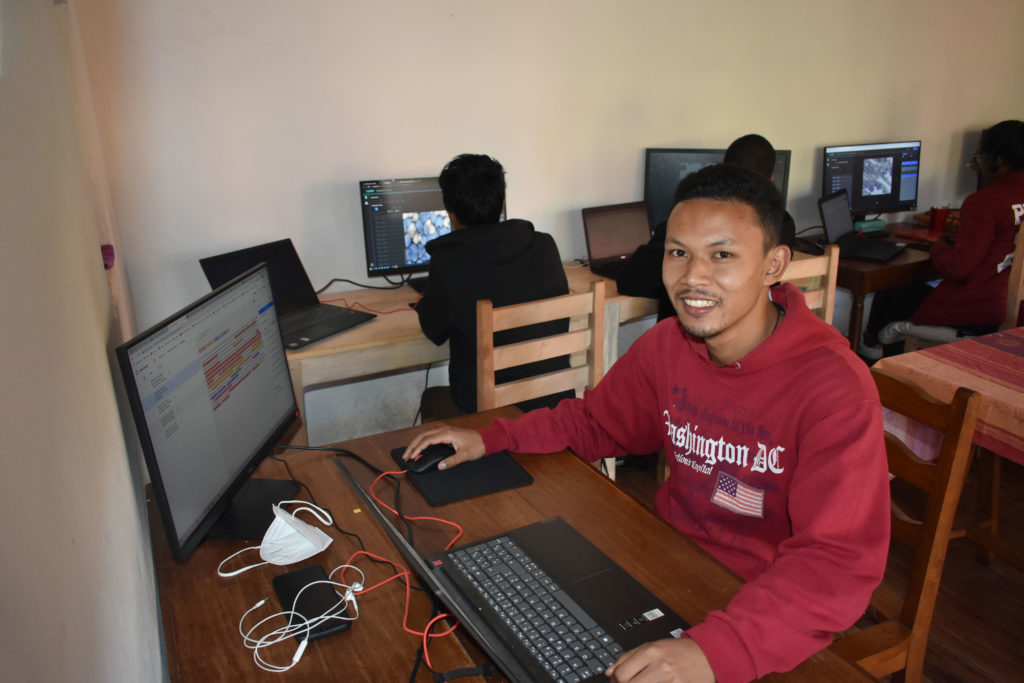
468	445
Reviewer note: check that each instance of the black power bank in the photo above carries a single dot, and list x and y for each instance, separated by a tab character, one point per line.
314	602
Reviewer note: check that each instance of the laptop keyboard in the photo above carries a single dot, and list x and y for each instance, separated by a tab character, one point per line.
309	317
548	624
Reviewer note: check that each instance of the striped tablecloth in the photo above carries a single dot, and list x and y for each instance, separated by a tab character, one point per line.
992	365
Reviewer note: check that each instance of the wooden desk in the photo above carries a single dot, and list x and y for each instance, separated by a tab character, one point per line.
910	266
201	610
387	343
394	342
992	365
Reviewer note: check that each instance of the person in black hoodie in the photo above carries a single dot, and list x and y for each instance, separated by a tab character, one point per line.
484	257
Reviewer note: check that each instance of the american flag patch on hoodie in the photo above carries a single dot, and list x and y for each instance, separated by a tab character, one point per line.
733	494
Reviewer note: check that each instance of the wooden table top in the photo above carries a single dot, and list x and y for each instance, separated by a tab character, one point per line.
396	321
992	365
910	266
201	611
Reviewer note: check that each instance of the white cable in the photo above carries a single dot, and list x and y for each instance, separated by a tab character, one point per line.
298	625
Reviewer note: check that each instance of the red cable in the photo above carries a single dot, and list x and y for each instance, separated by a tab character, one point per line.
357	305
404	574
415	519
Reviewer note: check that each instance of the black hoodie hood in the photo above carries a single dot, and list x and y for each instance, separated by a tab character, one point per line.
495	243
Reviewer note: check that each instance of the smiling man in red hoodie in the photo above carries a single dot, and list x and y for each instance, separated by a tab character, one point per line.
747	390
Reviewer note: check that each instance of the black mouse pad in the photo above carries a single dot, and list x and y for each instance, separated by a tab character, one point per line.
490	474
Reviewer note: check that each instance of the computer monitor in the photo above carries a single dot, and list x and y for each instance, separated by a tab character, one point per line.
880	177
400	215
211	395
664	168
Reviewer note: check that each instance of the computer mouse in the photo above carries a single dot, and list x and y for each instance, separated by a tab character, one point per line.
429	458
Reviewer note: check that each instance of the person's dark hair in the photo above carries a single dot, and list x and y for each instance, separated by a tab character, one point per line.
731	183
1005	141
754	152
473	188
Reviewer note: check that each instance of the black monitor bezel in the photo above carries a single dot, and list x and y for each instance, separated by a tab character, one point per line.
859	206
182	549
783	156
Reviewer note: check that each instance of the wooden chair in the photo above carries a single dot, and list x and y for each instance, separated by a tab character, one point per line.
583	342
816	278
898	643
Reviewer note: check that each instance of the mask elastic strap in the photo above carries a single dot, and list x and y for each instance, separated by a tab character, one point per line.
317	511
237	571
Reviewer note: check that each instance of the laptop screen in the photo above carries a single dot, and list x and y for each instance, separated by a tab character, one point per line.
288	280
835	215
616	230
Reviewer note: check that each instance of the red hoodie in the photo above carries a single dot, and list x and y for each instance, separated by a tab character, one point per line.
778	470
976	268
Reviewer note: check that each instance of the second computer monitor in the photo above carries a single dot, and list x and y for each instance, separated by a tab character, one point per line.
664	168
400	215
879	177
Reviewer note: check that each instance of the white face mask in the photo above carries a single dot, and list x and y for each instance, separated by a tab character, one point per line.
288	539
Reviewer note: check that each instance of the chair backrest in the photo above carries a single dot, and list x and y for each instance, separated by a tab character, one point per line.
816	277
583	342
1015	293
899	644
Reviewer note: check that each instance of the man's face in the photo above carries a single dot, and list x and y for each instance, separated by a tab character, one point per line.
717	273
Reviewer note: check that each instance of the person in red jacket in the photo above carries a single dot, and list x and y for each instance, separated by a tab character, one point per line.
773	431
975	263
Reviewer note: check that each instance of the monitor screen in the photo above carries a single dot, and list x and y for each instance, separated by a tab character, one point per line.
211	395
399	217
879	177
664	168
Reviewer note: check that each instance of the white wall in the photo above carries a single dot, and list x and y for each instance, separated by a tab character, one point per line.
232	123
235	122
77	592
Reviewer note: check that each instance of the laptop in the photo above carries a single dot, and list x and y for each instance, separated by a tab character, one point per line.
613	233
838	223
512	607
303	318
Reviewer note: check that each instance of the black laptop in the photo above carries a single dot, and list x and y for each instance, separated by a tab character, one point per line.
543	602
838	223
303	318
613	233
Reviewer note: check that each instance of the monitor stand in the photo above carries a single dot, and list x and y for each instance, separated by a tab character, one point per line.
417	283
251	511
